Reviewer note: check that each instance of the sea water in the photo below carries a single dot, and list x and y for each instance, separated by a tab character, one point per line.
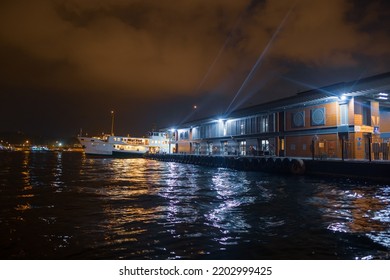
65	205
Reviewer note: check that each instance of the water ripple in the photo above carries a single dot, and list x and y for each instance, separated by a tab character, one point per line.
67	205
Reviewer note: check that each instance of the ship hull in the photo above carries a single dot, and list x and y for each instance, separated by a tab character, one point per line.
118	154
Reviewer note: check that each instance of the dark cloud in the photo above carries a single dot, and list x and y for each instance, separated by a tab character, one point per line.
130	54
108	46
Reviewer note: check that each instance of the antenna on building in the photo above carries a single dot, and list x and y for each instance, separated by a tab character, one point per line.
112	122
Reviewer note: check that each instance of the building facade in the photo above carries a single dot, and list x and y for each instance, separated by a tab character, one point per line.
347	120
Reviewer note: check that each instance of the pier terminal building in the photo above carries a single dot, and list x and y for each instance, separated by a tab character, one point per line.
349	120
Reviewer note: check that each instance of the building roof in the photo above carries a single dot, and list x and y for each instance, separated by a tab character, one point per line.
372	88
369	88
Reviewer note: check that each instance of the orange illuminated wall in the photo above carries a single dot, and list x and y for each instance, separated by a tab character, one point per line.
375	117
293	117
313	118
327	146
366	113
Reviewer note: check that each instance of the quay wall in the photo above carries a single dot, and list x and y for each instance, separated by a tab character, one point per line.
368	170
244	163
374	170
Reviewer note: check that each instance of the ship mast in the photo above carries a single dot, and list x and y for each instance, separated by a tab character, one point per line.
112	123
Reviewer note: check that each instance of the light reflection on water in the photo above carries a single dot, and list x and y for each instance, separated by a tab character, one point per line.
360	210
66	205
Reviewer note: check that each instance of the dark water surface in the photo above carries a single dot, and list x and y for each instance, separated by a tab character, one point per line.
67	206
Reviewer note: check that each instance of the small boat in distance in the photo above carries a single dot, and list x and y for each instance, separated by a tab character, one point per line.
39	149
128	147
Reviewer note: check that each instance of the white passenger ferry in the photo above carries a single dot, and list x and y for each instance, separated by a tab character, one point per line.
121	146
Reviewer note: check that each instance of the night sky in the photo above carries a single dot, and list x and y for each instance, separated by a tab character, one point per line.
66	64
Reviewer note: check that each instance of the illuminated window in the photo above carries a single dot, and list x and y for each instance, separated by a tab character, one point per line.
242	129
264	124
282	144
343	114
264	145
243	148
